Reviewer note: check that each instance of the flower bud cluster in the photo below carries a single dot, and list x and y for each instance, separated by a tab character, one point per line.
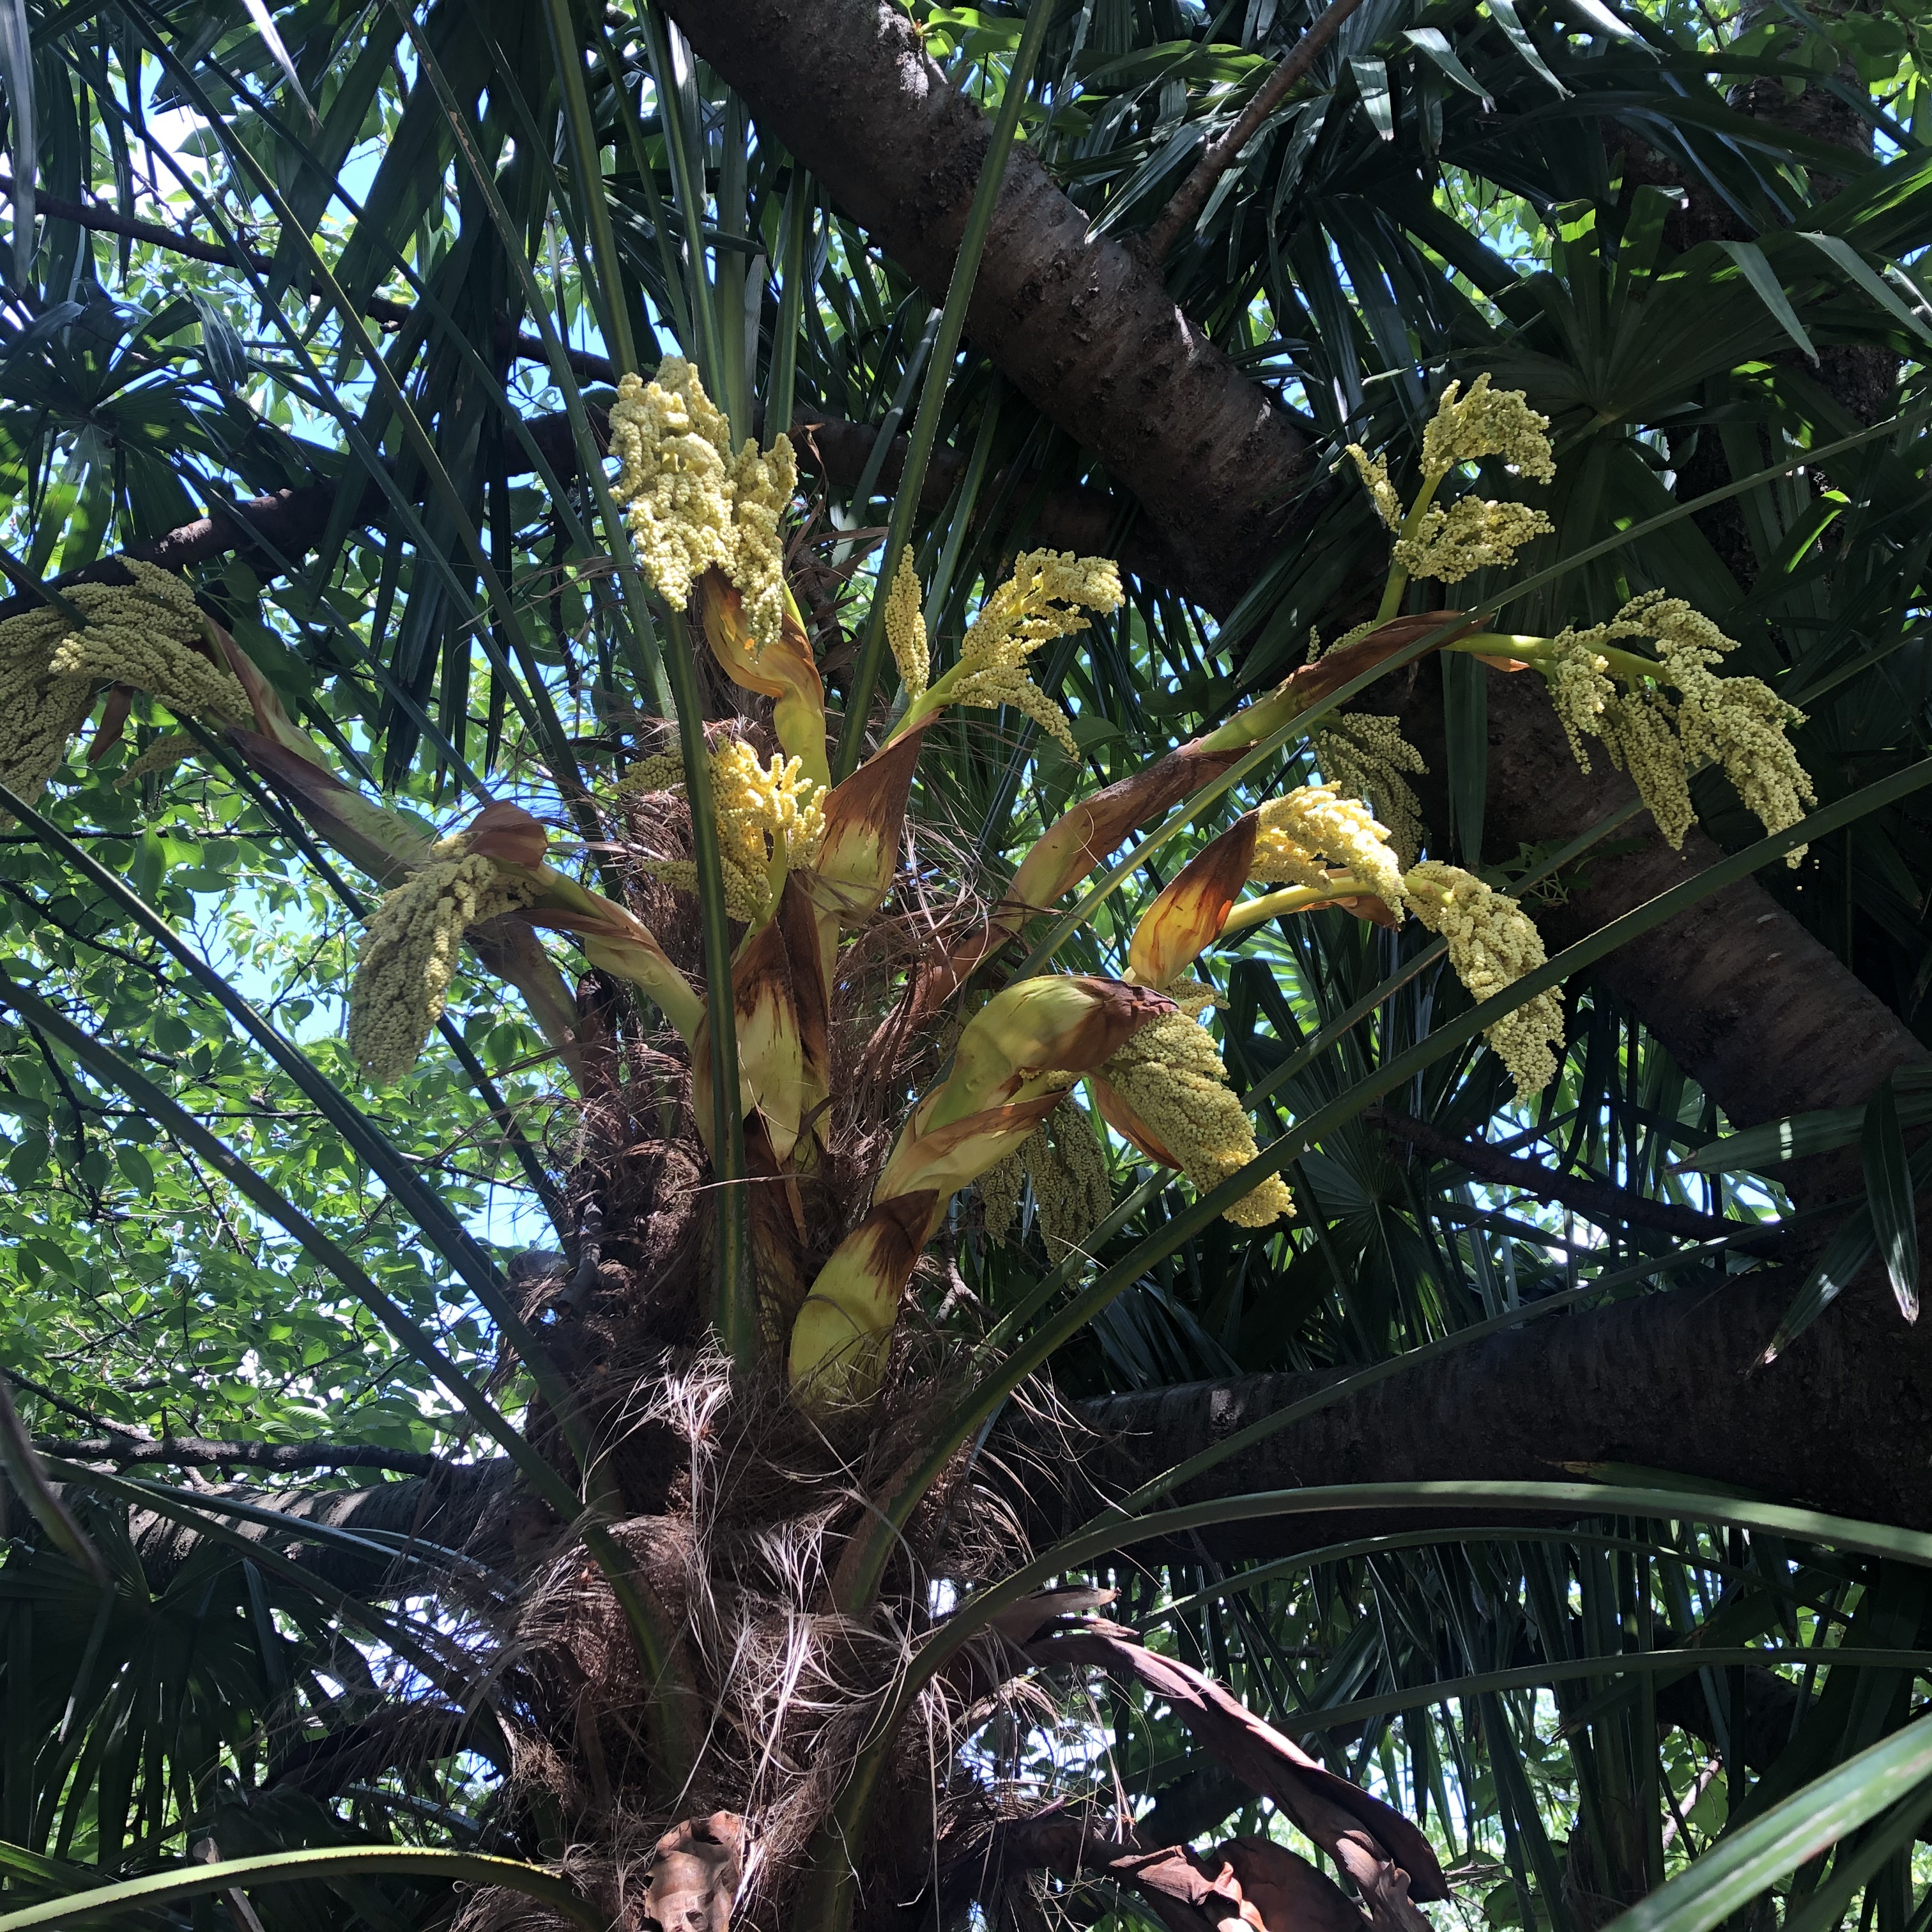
143	635
1473	534
409	953
770	817
1065	1165
1365	756
1486	422
1374	471
690	504
1493	944
905	628
1170	1076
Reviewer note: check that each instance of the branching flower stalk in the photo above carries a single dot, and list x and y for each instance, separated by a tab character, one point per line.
1474	531
858	1134
807	866
1661	717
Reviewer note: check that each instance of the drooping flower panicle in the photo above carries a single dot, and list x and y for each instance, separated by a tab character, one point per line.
141	635
691	503
1175	1086
1581	691
410	951
1493	944
1739	723
1365	756
1065	1165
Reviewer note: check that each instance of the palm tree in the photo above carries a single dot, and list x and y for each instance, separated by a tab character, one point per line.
749	1611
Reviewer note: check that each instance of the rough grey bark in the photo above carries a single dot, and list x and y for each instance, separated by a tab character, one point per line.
1662	1382
1078	325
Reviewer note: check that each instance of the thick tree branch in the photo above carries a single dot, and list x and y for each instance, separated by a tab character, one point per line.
1219	154
1608	1207
1662	1381
1077	324
193	1452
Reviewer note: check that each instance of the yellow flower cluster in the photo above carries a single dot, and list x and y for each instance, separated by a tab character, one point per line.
163	753
1486	422
1739	723
1312	823
905	628
1172	1078
141	635
409	954
999	1188
1193	998
1474	533
1580	690
1042	600
662	771
1492	944
1366	756
1374	471
690	503
770	816
1640	732
1636	726
1072	1190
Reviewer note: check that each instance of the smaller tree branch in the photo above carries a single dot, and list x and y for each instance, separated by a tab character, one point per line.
282	1458
1608	1207
1181	213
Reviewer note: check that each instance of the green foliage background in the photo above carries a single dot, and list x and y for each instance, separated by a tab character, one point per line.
1450	192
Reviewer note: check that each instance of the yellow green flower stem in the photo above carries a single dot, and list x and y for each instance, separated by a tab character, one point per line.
934	698
1398	580
1536	651
1292	899
1253	723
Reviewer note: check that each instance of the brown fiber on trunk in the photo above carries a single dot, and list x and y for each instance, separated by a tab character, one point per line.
1085	332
